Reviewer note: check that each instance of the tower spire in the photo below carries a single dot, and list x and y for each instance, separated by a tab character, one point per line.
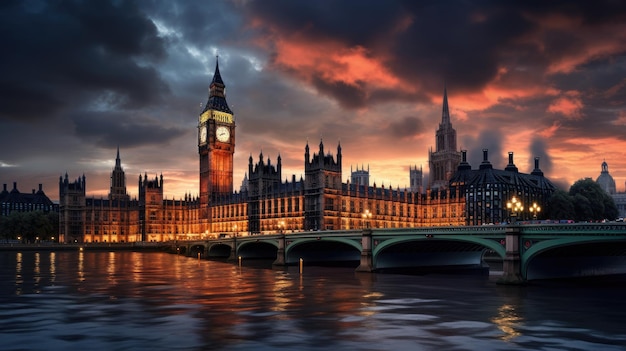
445	114
217	77
217	93
118	162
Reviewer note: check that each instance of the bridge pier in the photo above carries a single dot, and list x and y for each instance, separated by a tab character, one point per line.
367	260
280	254
233	250
512	263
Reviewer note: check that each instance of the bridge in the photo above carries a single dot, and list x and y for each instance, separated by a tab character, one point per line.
527	251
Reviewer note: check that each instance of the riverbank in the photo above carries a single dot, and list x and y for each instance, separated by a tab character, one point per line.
136	246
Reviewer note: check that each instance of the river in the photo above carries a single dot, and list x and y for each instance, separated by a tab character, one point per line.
158	301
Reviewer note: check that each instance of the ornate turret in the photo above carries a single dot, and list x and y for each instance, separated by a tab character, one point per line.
118	181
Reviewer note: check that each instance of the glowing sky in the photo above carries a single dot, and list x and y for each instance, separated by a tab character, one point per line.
80	78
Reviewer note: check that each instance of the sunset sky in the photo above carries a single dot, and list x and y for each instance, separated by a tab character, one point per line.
80	78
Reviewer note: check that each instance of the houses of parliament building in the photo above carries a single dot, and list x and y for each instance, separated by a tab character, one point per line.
456	194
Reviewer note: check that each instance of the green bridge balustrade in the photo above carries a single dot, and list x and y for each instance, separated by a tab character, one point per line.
527	251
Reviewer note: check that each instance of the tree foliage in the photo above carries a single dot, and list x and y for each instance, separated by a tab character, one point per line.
560	206
585	201
28	226
600	205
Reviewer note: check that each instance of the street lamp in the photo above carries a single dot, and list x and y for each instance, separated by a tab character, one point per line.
535	209
281	226
515	206
367	216
235	230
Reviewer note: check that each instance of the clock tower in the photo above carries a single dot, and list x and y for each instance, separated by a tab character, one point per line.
216	143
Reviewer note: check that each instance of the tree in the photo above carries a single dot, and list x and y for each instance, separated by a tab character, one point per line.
28	226
560	206
583	208
599	204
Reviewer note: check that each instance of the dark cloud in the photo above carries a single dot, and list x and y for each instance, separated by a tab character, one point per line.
349	96
429	42
405	128
109	129
64	54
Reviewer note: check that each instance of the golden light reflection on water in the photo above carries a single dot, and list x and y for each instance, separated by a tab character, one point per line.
19	278
111	273
81	266
37	270
508	321
53	267
281	297
138	266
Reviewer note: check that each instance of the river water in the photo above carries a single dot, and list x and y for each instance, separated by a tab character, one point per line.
158	301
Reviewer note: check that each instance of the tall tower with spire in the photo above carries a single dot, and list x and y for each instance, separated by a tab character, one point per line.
118	181
444	160
216	144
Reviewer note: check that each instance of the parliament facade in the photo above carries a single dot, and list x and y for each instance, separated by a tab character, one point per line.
266	204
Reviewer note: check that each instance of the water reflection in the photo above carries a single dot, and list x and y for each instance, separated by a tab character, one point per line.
53	267
18	273
508	321
151	301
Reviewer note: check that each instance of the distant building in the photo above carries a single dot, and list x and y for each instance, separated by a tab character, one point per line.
15	201
607	183
605	180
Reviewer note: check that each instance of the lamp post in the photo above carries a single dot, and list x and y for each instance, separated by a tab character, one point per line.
535	209
367	216
235	230
515	207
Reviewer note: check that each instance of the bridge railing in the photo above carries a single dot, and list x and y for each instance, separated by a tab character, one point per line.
612	228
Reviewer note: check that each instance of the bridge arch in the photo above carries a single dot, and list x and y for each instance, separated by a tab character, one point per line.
219	250
433	250
577	256
257	249
318	250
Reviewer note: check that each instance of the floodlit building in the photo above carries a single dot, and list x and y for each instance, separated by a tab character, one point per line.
266	203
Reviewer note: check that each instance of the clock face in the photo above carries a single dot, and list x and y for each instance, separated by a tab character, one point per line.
203	134
222	133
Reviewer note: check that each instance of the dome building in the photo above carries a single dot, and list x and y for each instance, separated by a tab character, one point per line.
605	180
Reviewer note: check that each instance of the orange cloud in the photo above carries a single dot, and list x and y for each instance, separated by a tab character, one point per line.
549	132
496	93
569	105
333	62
